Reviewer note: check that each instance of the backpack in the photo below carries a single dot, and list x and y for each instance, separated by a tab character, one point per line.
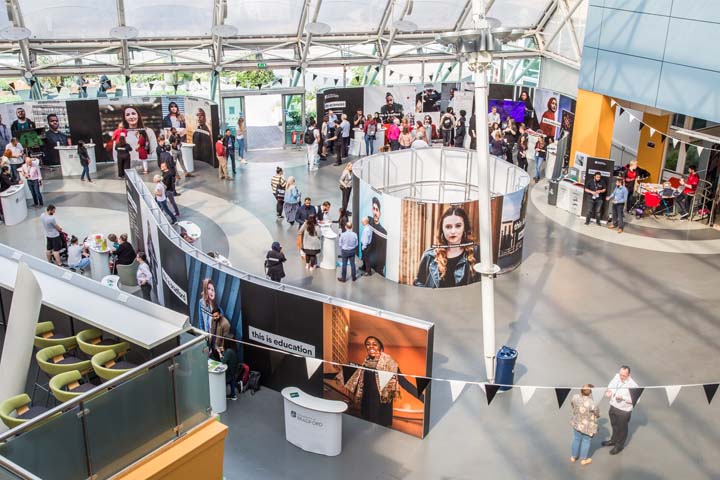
309	136
253	382
447	123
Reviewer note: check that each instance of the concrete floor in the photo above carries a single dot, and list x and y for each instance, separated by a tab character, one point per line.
576	309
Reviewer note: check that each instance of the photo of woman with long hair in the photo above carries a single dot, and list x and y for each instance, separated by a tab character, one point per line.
450	261
206	304
139	134
174	119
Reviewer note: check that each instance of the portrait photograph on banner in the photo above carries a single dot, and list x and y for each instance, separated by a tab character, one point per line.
209	288
138	119
199	128
151	247
358	339
391	102
512	229
173	113
548	113
370	207
174	274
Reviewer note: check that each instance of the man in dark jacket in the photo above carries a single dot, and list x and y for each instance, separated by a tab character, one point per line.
168	179
125	252
594	190
305	210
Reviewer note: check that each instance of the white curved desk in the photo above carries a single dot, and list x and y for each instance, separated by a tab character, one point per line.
70	160
329	250
14	204
311	423
186	150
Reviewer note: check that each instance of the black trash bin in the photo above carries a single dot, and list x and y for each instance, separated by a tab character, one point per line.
505	367
553	187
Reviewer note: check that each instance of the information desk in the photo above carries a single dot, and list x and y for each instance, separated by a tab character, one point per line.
216	374
311	423
193	231
99	261
14	204
70	160
329	250
186	150
357	142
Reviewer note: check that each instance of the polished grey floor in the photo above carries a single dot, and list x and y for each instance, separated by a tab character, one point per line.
576	309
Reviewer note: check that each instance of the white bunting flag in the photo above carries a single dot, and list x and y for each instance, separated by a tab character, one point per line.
672	392
612	103
700	150
631	118
456	388
598	393
675	142
652	131
384	377
527	393
312	364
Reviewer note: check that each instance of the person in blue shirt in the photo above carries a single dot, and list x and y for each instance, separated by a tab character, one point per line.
617	199
348	248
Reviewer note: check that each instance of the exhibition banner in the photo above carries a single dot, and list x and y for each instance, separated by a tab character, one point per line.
547	102
199	129
84	124
391	102
134	213
340	100
370	215
174	275
138	118
208	288
151	246
512	229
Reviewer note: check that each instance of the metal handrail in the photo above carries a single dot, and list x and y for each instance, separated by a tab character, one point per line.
16	469
104	386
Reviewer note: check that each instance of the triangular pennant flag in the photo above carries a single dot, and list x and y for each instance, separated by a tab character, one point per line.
299	69
635	394
675	142
652	131
312	364
411	78
59	87
422	383
392	72
12	85
84	88
314	76
699	149
450	68
151	86
431	77
357	78
631	117
640	125
490	391
662	138
384	377
622	110
335	81
710	390
597	394
175	86
280	80
377	69
456	388
561	394
672	392
127	78
33	82
348	372
526	393
237	84
197	80
276	359
612	103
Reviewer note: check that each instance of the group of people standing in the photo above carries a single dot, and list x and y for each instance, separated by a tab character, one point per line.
226	146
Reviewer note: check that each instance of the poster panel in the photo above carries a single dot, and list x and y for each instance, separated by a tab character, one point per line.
84	124
199	128
140	116
173	113
355	338
150	245
512	229
51	119
341	101
18	118
370	206
286	322
134	213
546	106
526	95
207	288
508	108
391	102
174	275
447	98
428	98
567	122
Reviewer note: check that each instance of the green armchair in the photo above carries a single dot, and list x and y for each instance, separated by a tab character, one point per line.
55	360
17	410
107	365
46	336
66	386
91	342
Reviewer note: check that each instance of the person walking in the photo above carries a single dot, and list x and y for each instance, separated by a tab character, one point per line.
345	128
621	407
123	155
348	248
222	159
292	201
540	154
31	173
522	147
370	129
161	198
168	179
53	242
346	182
617	199
229	144
144	277
447	125
274	260
84	162
594	189
364	244
277	184
460	130
312	140
241	133
309	241
584	423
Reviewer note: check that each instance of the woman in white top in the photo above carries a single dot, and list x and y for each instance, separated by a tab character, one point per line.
241	132
144	277
133	122
78	258
346	182
161	198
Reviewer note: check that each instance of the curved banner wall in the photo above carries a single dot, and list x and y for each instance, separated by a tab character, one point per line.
283	324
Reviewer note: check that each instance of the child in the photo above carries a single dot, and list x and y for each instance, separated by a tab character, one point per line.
78	257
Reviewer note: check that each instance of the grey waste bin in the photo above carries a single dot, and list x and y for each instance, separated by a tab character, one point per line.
505	367
553	187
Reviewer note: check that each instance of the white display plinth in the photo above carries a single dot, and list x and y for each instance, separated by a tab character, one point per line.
313	424
70	160
193	231
14	204
216	377
186	150
329	250
357	143
99	262
550	159
379	140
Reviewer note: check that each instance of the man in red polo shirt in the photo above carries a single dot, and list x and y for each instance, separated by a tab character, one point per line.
688	193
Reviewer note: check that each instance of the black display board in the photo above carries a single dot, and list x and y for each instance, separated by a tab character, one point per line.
340	100
135	217
288	316
174	275
84	122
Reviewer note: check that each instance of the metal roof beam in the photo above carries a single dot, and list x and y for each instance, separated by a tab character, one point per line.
560	28
308	40
575	39
16	18
125	52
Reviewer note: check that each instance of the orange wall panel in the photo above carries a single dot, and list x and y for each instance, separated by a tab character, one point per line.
593	127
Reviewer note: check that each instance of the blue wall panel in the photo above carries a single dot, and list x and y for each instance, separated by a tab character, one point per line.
656	7
694	44
634	33
593	27
690	90
703	10
627	77
586	79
